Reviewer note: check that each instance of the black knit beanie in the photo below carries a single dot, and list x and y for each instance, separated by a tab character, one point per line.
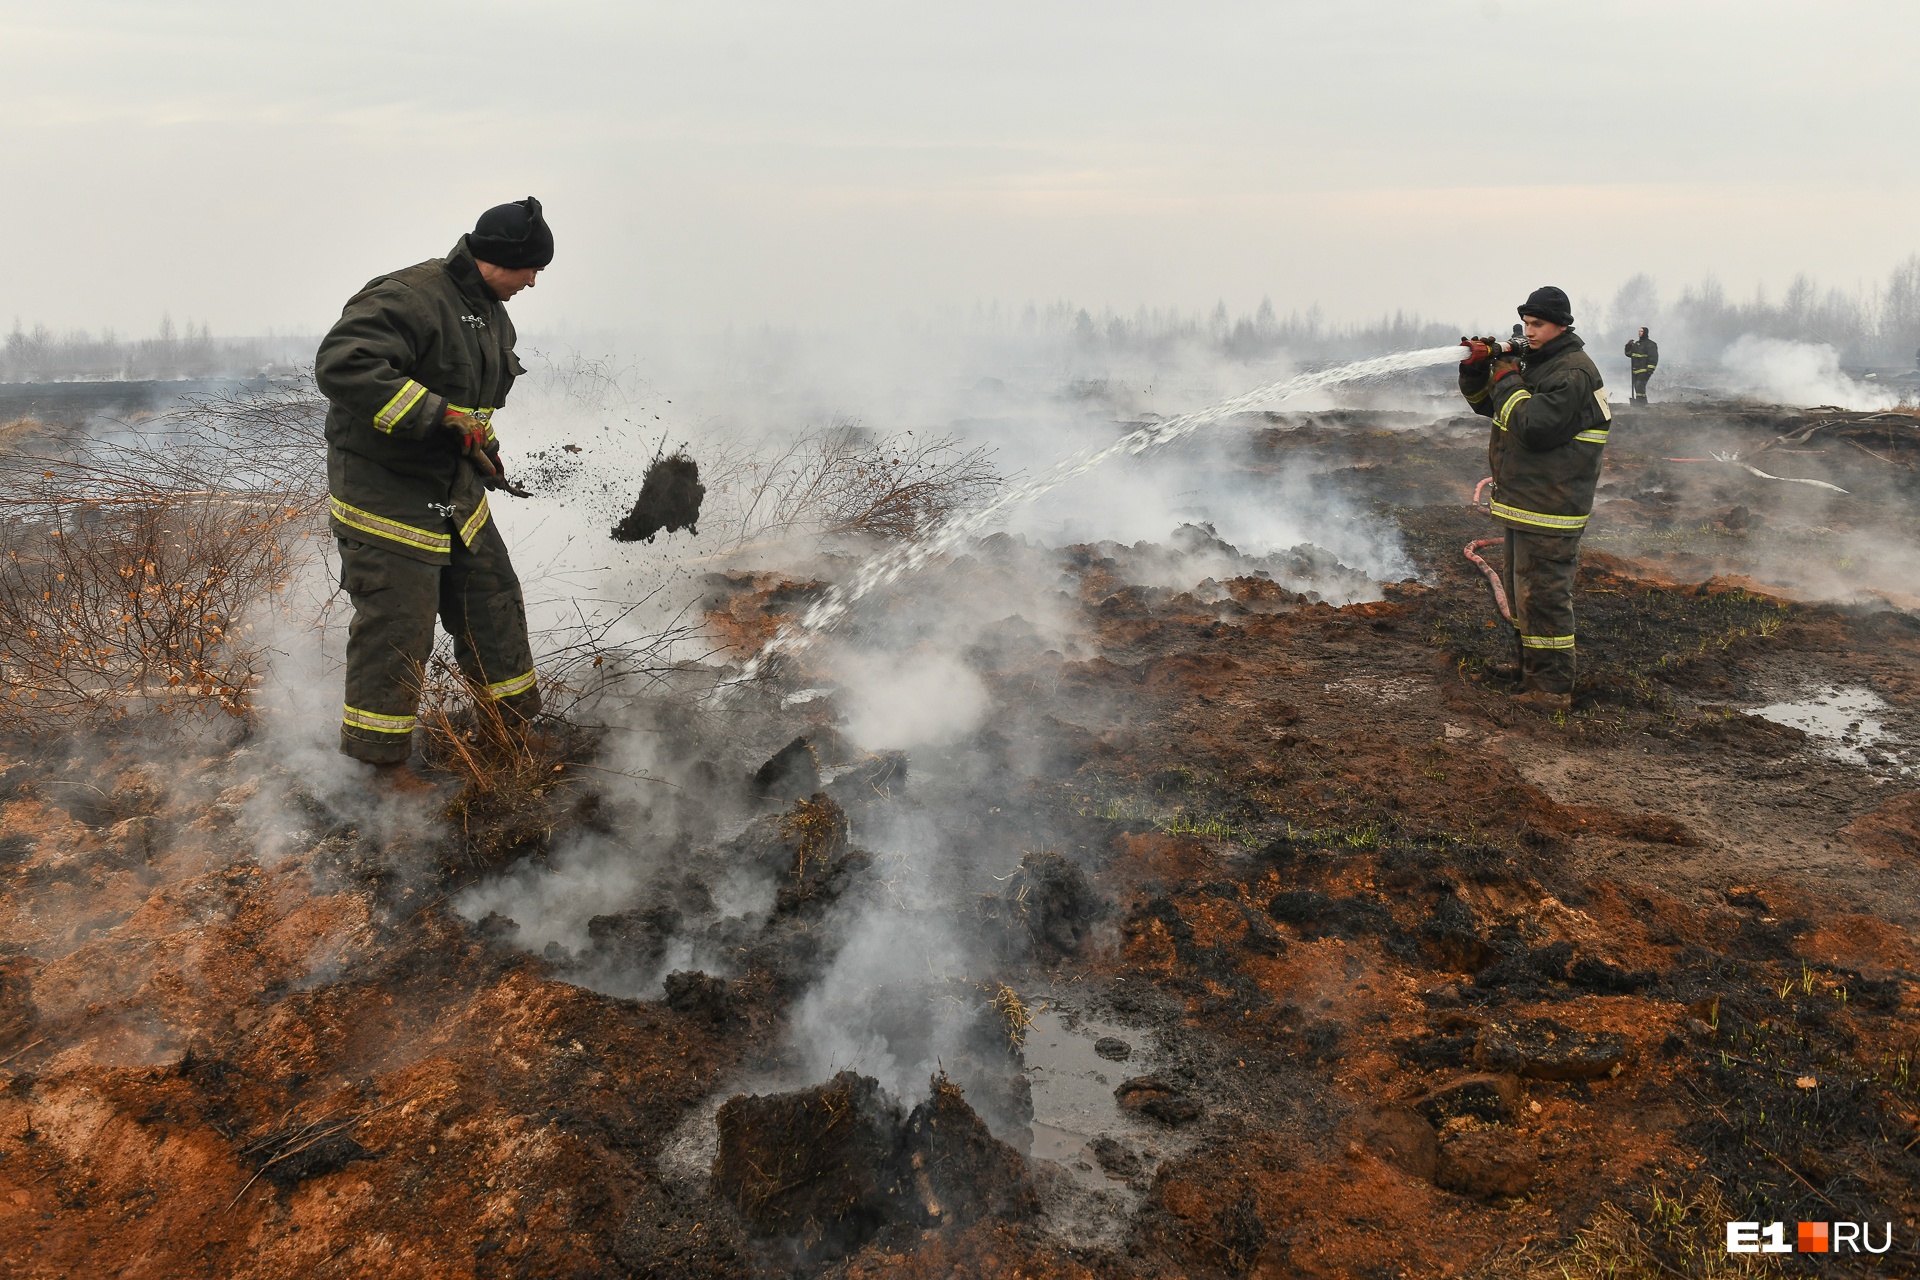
1548	303
513	236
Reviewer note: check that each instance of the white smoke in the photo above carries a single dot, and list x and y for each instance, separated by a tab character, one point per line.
1799	373
913	700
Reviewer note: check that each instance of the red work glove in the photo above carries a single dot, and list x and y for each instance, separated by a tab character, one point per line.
1504	366
471	430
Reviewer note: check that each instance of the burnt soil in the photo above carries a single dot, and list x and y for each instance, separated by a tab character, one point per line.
1436	983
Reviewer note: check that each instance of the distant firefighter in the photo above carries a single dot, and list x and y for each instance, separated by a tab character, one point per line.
1643	357
413	371
1550	422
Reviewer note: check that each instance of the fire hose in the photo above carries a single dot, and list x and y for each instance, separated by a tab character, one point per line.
1734	458
1472	552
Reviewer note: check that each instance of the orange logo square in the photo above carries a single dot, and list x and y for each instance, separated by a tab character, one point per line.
1813	1237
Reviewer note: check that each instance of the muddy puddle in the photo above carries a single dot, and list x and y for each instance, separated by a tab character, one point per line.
1844	723
1074	1064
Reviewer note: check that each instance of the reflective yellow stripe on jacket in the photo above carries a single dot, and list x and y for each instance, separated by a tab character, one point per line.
1598	435
1539	519
511	688
397	408
1506	410
392	530
373	721
475	522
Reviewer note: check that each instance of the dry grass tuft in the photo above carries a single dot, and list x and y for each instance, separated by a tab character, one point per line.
819	831
1669	1236
1015	1014
515	784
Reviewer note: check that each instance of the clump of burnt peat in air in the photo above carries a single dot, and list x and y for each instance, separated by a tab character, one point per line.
670	498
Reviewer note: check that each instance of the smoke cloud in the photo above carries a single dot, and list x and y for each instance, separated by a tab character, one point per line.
1799	373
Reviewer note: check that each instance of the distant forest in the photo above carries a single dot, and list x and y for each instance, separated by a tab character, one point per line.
1876	326
175	352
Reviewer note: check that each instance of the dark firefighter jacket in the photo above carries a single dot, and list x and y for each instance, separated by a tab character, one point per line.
1550	423
1643	354
405	348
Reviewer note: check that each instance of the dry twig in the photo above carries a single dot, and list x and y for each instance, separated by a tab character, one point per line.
844	479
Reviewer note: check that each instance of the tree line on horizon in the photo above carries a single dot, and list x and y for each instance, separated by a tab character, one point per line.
1869	326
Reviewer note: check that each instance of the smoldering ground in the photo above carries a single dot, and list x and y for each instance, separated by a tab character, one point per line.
1101	777
912	672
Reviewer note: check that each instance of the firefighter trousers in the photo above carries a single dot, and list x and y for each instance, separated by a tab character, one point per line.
1640	387
1539	580
395	600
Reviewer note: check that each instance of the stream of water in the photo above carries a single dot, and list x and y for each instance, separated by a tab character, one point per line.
890	565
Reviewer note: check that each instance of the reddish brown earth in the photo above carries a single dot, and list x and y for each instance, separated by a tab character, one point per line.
1342	874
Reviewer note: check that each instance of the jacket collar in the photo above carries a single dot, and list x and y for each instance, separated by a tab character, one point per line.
1568	341
466	274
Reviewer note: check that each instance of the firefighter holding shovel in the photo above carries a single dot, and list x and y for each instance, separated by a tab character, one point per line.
413	372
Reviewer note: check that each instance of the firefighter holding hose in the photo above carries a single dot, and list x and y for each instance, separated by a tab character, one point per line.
413	372
1550	421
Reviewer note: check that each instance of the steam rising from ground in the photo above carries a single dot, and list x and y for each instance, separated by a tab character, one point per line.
1091	463
1800	373
903	668
916	700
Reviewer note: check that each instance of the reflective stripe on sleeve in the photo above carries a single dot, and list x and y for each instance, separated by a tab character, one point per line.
1506	410
511	688
1547	642
1479	395
397	408
392	530
475	522
1538	519
1593	437
374	722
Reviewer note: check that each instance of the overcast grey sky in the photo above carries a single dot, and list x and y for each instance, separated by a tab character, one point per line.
849	160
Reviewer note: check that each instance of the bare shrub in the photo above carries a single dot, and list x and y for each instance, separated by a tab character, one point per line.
127	562
844	479
520	783
604	383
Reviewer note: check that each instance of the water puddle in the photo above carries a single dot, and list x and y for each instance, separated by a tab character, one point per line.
1073	1104
1845	723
